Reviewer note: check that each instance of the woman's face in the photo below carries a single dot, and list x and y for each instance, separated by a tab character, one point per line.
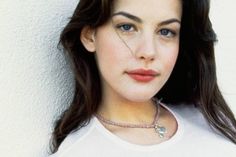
137	49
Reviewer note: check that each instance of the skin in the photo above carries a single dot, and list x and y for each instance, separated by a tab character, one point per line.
137	36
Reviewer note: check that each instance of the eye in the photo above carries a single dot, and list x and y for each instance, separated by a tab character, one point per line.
126	27
168	33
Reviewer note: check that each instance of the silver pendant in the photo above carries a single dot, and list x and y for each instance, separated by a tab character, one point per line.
161	130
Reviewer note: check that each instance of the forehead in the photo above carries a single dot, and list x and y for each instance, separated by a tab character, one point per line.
150	9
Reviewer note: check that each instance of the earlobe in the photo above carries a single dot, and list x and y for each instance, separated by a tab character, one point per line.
87	38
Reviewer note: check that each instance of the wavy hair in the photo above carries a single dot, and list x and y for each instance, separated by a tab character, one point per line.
193	79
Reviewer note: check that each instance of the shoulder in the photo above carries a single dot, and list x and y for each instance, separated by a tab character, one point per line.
74	138
197	132
196	126
187	112
190	118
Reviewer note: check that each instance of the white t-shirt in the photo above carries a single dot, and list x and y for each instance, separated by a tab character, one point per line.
193	138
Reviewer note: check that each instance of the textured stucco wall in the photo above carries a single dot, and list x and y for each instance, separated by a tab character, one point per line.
223	15
36	82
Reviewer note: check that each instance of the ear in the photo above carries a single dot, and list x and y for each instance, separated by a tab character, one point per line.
87	38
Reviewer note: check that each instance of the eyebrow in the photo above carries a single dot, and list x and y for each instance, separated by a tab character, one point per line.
169	21
139	20
132	17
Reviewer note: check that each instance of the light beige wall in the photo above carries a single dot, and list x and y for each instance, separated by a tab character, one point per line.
223	15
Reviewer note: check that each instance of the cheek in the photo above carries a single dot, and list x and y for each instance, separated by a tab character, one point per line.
110	53
107	53
109	47
168	56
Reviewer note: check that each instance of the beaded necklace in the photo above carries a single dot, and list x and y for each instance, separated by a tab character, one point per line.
161	130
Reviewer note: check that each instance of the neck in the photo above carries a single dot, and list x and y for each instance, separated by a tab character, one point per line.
128	111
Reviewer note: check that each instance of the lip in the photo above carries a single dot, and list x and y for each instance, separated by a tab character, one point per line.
142	75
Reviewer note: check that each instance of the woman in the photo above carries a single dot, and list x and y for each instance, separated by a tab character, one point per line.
145	74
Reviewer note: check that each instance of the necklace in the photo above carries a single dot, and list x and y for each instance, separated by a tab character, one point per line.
161	130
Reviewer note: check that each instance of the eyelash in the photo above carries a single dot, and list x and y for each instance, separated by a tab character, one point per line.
168	33
121	27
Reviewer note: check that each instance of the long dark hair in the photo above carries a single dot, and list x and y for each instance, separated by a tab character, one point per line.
193	79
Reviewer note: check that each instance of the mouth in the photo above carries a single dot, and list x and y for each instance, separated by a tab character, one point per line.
142	75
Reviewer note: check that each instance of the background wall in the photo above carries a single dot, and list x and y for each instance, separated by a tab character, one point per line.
223	15
35	79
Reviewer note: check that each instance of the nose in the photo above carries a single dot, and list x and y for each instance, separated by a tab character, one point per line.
146	49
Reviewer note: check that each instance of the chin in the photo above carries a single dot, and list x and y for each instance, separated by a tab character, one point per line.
140	97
